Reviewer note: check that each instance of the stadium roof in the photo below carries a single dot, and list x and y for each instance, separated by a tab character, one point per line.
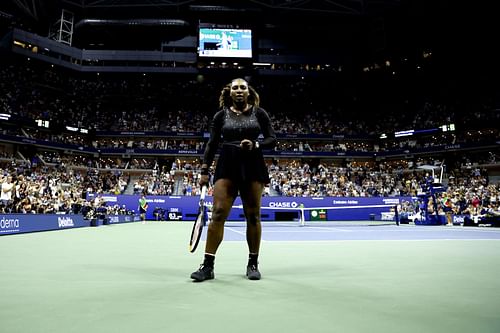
366	28
338	20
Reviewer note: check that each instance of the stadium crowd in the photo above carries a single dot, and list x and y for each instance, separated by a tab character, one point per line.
331	118
151	103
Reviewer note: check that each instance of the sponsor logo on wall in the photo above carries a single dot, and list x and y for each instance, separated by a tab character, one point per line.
345	202
283	204
114	219
9	225
392	201
65	222
318	215
387	216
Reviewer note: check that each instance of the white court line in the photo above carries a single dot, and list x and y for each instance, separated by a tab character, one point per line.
328	228
382	240
396	229
421	231
474	230
322	230
383	228
235	231
292	229
461	229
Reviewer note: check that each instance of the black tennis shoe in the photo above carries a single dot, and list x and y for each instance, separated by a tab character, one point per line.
253	272
203	273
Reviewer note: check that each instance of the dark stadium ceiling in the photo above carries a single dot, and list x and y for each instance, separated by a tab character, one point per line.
116	23
359	25
38	9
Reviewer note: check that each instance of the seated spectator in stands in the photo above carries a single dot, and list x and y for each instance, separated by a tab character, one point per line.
491	210
26	207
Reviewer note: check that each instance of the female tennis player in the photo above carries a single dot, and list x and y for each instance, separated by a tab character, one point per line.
240	169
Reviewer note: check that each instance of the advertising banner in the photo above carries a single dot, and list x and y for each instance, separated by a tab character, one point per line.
318	215
114	219
20	223
185	208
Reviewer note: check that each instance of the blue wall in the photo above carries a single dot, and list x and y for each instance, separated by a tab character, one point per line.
186	207
19	223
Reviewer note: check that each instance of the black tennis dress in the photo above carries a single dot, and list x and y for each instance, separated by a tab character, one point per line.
227	130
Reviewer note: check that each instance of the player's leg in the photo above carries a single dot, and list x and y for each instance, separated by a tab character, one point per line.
225	191
224	194
251	196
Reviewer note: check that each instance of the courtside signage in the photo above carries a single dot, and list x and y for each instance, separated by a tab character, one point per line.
184	208
20	223
9	225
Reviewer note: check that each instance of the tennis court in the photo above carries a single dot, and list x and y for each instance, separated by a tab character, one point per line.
316	278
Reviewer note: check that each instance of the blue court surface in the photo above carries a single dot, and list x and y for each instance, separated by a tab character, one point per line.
345	232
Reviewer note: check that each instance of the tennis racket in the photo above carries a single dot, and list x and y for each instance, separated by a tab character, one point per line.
200	221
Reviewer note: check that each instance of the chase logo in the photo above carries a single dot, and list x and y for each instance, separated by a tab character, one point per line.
65	222
283	204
